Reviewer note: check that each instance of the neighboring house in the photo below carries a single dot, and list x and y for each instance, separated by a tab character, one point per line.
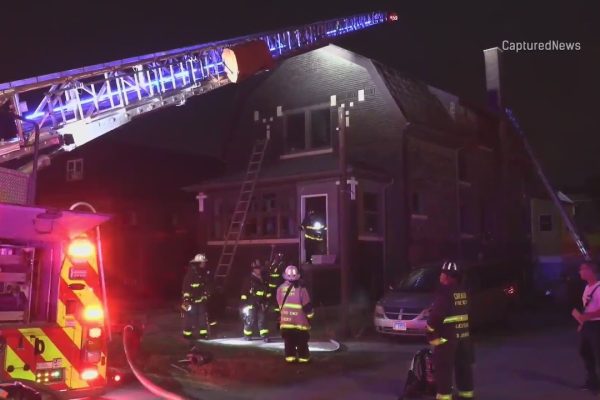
432	177
149	239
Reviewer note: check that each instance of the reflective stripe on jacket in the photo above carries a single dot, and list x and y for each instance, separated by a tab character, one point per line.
196	285
297	310
449	316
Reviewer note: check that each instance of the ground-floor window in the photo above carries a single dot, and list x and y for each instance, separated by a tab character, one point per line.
271	214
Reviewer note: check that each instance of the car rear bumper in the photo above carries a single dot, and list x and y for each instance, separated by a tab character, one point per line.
414	327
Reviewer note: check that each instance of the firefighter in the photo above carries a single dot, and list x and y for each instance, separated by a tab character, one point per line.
275	277
255	302
296	313
314	228
448	333
195	294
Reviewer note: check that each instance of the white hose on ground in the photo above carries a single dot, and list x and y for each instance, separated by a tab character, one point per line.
147	383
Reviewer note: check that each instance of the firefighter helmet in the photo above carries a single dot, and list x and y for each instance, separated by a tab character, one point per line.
451	268
199	258
291	273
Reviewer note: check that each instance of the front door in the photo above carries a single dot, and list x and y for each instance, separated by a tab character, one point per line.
317	204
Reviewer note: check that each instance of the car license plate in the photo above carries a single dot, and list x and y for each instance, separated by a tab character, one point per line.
400	326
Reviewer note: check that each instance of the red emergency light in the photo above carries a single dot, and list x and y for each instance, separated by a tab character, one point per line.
80	249
393	17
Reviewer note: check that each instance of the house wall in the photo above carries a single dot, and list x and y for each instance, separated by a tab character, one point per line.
432	177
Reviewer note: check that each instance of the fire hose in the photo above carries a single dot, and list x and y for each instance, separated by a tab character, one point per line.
147	383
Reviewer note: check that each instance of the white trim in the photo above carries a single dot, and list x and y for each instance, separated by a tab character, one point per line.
302	211
255	241
307	153
419	216
366	238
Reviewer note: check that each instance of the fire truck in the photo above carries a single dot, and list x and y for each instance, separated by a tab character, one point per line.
53	331
54	323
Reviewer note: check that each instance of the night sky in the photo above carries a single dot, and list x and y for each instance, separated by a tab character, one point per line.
555	93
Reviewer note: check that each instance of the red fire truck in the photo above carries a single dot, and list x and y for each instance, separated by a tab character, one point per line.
52	300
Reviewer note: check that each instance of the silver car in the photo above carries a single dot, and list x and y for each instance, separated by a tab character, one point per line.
404	309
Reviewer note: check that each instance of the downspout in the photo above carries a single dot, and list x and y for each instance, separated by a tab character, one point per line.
385	233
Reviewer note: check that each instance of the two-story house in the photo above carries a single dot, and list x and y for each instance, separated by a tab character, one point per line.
431	176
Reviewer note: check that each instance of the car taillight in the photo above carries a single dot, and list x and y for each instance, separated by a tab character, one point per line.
95	333
89	374
510	290
93	313
80	249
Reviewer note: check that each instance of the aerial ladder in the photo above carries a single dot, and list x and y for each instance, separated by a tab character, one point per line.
579	240
76	106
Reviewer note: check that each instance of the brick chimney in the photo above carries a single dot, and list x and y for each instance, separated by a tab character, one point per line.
493	79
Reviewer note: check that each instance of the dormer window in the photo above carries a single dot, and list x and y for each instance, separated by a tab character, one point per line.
307	131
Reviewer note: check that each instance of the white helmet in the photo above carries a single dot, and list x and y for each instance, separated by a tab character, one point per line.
291	273
199	258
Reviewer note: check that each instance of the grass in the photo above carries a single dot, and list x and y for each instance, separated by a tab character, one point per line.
234	367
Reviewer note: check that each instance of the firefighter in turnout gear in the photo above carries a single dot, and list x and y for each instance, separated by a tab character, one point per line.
314	229
195	294
448	333
296	313
275	277
255	302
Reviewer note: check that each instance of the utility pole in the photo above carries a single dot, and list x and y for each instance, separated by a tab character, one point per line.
344	224
343	122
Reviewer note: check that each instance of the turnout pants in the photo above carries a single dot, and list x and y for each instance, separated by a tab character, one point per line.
589	349
453	359
255	322
296	345
195	322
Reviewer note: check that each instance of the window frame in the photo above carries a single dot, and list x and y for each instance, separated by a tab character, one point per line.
378	214
541	223
72	172
283	208
308	149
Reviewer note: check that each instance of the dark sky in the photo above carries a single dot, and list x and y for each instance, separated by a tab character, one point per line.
555	93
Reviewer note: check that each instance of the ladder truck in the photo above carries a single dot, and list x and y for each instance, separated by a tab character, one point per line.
54	315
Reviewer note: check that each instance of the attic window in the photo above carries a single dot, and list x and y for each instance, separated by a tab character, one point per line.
308	130
75	170
295	132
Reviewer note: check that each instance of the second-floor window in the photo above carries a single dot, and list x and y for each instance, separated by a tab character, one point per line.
75	170
308	130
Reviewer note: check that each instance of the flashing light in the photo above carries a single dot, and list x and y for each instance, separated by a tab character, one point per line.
117	378
95	333
318	225
393	17
93	313
80	249
89	374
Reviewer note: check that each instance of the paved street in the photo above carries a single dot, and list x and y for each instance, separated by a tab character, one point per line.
538	363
